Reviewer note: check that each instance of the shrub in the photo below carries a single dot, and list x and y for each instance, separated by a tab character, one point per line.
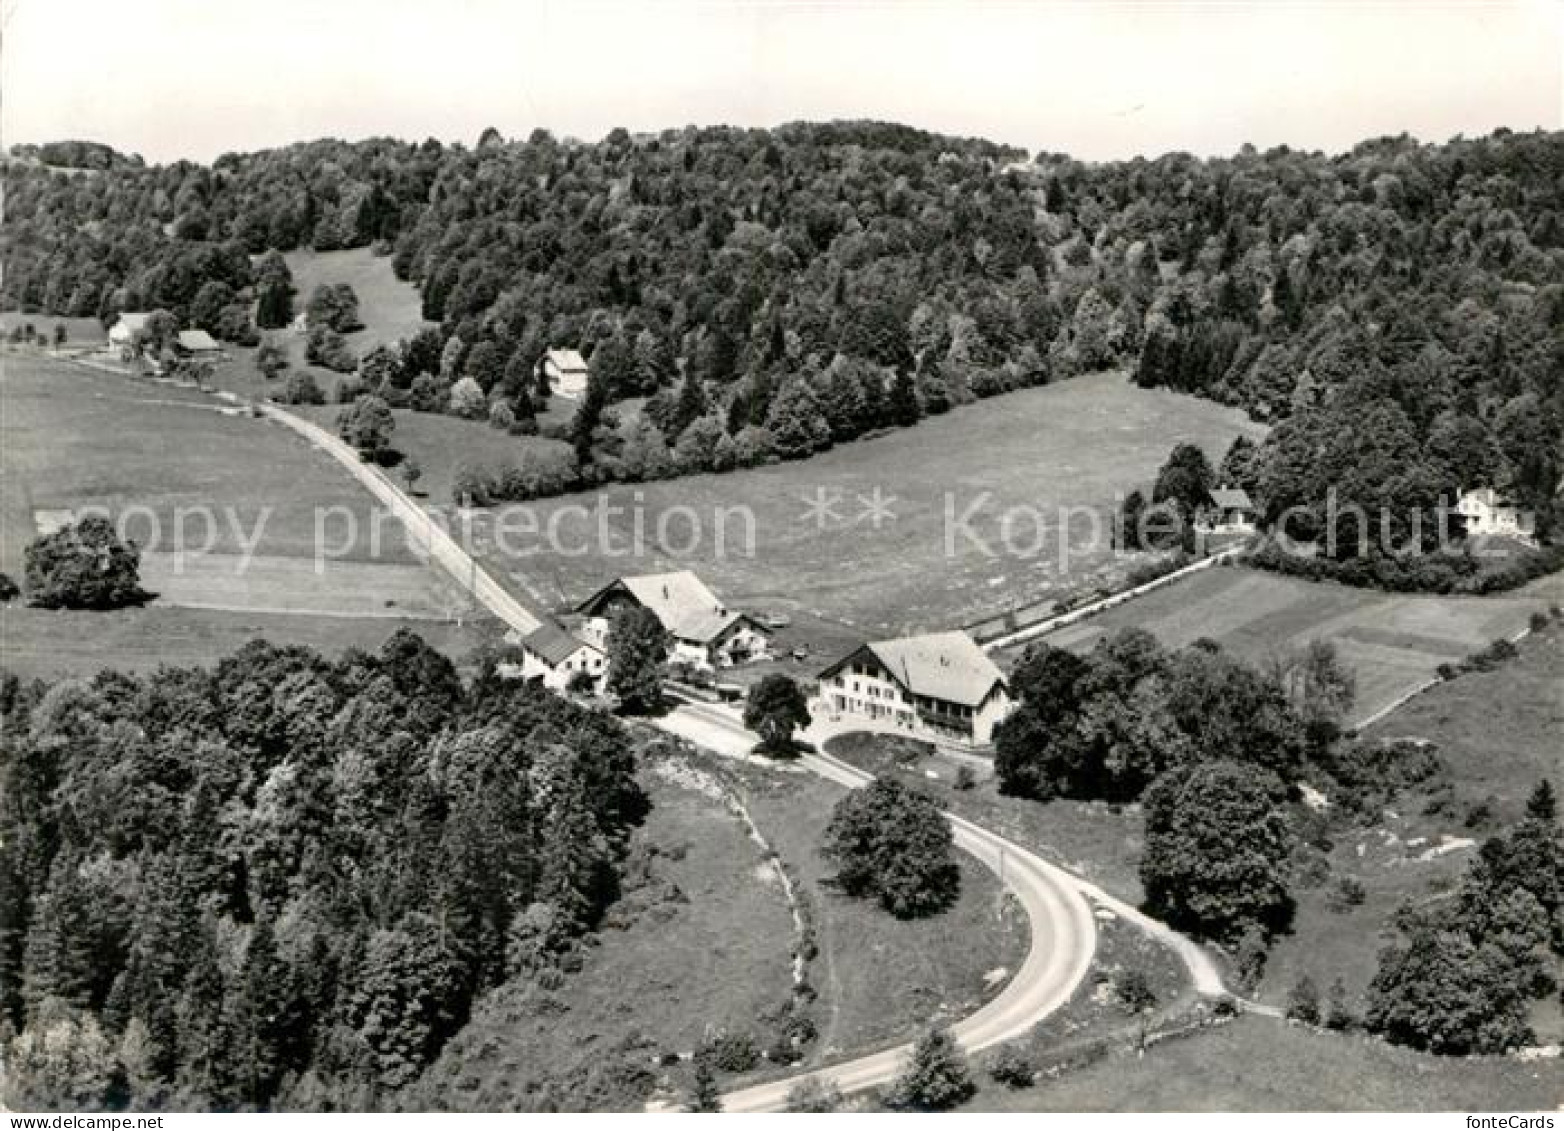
8	588
814	1095
731	1052
965	778
1013	1067
1348	893
1538	621
1303	1001
936	1077
302	389
1133	989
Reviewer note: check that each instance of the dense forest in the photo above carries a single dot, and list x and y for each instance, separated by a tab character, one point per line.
284	881
1396	311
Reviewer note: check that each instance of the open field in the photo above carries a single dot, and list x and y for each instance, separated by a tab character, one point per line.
47	644
440	444
198	485
1077	443
78	331
1258	1064
701	944
1393	641
880	979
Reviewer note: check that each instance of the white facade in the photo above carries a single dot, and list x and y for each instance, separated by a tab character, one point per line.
566	372
879	688
1488	514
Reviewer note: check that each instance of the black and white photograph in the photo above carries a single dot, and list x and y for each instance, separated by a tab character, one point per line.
781	556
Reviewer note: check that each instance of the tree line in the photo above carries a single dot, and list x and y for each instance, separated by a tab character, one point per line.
283	881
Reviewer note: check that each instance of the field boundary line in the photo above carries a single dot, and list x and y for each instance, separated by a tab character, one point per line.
1086	612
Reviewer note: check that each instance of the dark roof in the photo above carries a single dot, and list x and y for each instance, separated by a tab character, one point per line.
552	643
680	601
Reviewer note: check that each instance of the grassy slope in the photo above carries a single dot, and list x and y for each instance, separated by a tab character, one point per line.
1393	641
1257	1064
49	644
1498	734
72	437
881	979
716	958
1076	443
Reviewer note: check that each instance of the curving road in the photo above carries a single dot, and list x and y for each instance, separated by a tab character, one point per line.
1064	934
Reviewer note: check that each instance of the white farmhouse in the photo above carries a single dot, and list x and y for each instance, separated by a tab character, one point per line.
1228	510
566	371
552	655
1489	513
940	687
123	333
706	634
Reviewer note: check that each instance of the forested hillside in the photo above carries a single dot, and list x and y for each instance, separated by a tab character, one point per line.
1398	310
282	882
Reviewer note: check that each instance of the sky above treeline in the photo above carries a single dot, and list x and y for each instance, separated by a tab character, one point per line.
195	78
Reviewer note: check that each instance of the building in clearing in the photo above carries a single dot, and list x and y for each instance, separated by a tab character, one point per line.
123	333
1489	513
706	633
552	655
940	687
566	371
1228	510
197	343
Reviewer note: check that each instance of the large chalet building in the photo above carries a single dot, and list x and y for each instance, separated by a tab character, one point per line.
940	687
706	633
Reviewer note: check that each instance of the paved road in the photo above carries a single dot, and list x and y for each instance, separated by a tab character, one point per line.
1064	934
427	534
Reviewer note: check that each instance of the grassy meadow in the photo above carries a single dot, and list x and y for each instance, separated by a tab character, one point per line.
1077	443
73	437
1394	642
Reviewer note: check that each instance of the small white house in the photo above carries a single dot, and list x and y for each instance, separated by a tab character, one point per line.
940	687
1228	510
552	655
705	633
123	333
566	371
1488	513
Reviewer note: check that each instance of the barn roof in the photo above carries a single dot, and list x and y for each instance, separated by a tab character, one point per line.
680	600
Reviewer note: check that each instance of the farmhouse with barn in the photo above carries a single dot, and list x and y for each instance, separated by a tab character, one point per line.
705	633
940	687
1228	510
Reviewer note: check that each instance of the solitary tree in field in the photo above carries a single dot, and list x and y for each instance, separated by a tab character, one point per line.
270	360
83	566
775	709
1217	845
894	844
637	647
411	473
367	424
60	334
936	1077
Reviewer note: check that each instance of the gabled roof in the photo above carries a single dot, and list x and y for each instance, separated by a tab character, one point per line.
948	666
196	341
553	644
1485	497
1231	498
132	322
567	361
680	600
